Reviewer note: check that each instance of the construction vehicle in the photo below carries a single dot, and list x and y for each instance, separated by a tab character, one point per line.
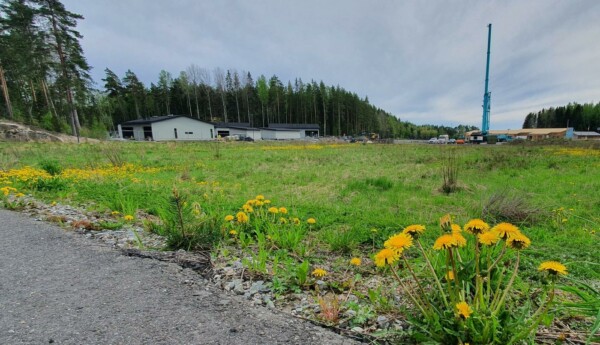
482	136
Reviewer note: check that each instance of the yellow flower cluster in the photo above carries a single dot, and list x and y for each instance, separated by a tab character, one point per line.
584	152
7	190
126	171
25	174
485	236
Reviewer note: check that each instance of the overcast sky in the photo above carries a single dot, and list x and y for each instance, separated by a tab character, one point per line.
423	61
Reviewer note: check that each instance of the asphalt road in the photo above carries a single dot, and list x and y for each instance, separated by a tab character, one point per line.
61	288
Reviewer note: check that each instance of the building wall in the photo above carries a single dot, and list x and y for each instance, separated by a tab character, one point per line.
267	134
187	129
254	134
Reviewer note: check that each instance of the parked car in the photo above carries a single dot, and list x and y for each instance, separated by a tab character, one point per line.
460	142
245	138
451	141
433	141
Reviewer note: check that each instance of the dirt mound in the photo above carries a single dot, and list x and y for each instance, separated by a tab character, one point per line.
13	131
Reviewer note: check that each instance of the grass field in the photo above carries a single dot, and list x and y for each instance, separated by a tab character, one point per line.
358	194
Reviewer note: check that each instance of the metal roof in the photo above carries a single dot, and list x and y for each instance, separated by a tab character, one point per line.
293	126
587	134
154	119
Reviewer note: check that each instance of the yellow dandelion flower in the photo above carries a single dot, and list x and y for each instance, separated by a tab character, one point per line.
385	256
489	238
242	217
260	197
267	201
311	221
444	242
247	208
319	272
273	210
232	232
115	213
449	275
53	203
128	218
461	241
414	230
19	195
505	230
398	242
251	202
228	218
296	221
463	310
355	261
258	203
553	267
476	226
283	220
456	229
283	210
518	241
446	222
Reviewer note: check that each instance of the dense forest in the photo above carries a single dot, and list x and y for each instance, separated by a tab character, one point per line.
582	117
45	81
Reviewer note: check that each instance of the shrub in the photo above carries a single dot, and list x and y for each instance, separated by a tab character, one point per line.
52	167
504	206
186	226
450	173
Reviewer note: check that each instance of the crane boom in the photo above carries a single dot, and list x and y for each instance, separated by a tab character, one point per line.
487	95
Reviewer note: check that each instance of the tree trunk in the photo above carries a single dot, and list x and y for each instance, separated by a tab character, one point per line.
196	99
49	102
75	127
9	108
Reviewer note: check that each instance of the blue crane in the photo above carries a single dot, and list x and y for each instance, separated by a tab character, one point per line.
487	95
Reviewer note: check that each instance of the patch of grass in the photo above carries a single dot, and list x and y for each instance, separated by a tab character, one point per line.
511	207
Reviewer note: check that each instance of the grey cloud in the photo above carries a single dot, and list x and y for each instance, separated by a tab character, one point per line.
423	61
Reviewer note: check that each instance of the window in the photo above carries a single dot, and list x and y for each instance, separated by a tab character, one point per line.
127	132
148	132
189	132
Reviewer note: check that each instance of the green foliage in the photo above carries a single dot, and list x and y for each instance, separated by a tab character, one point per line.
582	117
52	167
50	184
186	227
342	240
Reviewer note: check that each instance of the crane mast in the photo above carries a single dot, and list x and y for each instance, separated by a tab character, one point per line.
487	95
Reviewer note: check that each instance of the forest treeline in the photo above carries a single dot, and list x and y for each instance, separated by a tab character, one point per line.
45	81
582	117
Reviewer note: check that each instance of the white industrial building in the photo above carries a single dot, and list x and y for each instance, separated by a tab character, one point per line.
289	131
169	127
239	129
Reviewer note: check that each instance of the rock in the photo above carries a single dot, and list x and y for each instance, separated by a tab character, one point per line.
350	313
238	286
270	304
357	329
237	265
383	321
224	302
258	286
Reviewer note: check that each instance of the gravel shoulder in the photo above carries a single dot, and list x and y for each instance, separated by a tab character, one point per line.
59	287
